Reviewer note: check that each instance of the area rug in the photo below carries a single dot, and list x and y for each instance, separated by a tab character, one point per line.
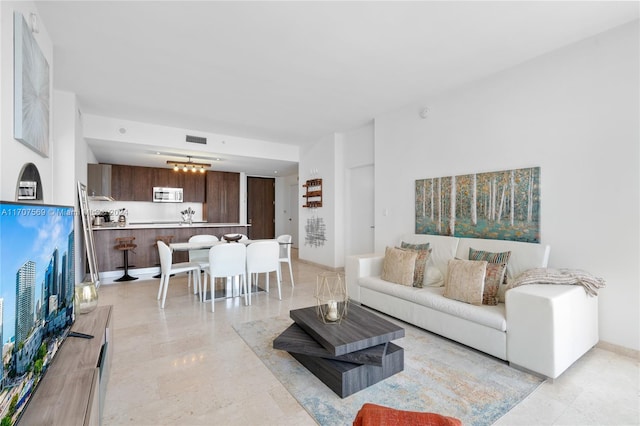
439	376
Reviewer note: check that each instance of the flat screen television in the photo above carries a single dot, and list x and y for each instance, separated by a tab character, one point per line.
36	296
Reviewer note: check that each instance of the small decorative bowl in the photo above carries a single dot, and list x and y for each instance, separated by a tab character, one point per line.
231	238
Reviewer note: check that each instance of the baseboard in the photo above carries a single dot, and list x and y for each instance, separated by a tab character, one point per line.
109	277
308	262
620	350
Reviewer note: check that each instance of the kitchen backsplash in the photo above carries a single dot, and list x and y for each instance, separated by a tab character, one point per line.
142	211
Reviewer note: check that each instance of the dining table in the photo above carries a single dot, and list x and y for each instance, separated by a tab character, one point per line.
232	286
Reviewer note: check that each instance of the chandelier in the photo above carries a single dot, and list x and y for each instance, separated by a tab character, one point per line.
189	165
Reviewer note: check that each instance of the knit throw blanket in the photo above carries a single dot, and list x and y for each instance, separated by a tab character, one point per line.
590	283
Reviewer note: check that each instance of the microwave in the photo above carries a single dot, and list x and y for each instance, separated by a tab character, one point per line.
27	190
167	195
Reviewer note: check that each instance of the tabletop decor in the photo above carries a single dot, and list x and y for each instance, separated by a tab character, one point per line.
331	296
86	297
232	238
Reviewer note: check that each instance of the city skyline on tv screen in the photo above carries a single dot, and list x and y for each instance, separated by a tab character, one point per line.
36	296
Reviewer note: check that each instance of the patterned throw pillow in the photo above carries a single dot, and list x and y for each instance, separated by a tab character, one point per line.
465	280
420	267
410	246
492	280
398	266
492	258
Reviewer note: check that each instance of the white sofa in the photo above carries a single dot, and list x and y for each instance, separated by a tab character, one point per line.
542	328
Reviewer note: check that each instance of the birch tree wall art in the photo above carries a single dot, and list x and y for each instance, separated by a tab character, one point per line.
497	205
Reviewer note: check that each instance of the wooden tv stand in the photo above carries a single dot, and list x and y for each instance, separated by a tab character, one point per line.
73	388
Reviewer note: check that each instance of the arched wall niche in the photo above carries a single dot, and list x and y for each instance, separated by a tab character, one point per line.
29	173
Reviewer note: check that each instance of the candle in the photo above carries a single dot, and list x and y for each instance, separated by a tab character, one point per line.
332	315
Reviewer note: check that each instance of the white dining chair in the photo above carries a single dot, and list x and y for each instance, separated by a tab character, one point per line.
200	256
284	242
167	269
226	261
263	257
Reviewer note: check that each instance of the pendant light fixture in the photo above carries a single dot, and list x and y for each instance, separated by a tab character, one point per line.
189	165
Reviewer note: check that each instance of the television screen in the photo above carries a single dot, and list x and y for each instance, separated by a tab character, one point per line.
36	296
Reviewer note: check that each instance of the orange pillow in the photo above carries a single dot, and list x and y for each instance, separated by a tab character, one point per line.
377	415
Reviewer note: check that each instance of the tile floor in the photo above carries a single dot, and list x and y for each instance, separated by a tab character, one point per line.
186	365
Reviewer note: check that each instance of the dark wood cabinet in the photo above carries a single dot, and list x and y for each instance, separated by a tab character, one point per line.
142	182
194	187
222	204
135	183
122	182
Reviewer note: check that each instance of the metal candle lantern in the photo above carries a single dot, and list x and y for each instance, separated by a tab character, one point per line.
331	296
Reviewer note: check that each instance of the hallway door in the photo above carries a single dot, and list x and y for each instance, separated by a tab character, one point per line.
360	215
261	209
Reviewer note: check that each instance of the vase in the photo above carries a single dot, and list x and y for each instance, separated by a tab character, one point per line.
86	297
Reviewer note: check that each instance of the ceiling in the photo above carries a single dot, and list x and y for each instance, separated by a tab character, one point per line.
292	72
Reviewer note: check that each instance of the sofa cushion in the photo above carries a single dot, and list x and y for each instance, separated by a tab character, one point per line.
465	280
433	277
433	298
421	246
492	281
442	248
492	258
398	266
376	415
420	266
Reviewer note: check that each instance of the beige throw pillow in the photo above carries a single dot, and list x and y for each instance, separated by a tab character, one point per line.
465	280
398	266
421	265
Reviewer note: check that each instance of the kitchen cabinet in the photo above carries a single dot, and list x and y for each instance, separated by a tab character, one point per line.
142	182
122	182
222	203
194	187
135	183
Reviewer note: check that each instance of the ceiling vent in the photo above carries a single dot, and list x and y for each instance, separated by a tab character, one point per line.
197	139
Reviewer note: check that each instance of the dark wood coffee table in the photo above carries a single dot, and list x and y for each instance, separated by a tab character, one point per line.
349	356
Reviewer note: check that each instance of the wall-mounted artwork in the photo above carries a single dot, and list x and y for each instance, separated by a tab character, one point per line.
31	89
315	232
497	205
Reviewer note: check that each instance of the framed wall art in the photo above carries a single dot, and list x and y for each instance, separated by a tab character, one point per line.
501	205
31	89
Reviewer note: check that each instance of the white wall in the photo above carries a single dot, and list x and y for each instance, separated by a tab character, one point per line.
358	146
13	154
322	160
573	112
107	129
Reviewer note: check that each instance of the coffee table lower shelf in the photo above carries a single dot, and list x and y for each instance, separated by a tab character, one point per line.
346	378
350	372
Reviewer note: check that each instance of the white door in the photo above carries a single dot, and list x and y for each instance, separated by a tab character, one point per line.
291	218
360	227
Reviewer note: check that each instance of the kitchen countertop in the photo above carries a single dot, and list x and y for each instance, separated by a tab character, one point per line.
165	225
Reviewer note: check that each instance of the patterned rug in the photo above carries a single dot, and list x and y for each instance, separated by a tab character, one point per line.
439	376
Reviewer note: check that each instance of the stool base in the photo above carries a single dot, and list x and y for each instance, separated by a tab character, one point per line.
126	277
